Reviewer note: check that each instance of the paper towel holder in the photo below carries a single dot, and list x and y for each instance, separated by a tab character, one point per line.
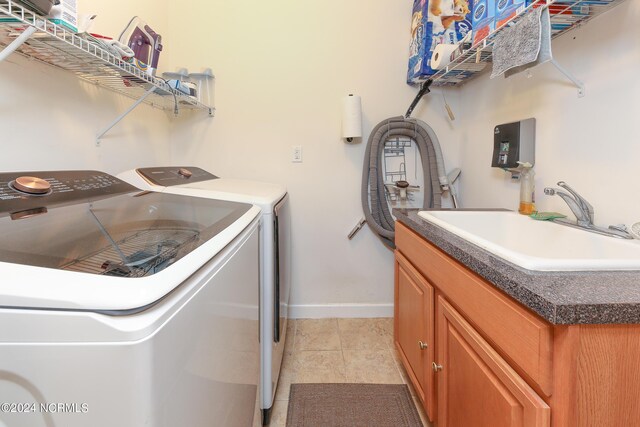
351	118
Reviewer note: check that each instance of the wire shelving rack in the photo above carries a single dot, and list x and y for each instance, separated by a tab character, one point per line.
35	37
565	15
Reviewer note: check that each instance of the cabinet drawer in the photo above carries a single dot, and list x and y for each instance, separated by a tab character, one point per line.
521	337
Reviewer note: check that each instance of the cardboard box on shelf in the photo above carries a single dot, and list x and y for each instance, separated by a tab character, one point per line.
483	19
434	22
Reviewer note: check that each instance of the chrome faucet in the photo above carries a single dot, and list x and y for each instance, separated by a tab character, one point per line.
583	211
578	204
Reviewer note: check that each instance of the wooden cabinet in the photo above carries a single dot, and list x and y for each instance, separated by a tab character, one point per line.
521	337
414	330
476	387
498	363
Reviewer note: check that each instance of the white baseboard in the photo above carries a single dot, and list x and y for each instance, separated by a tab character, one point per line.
323	311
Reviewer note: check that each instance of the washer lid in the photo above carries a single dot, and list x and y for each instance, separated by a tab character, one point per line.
167	176
204	184
100	253
262	194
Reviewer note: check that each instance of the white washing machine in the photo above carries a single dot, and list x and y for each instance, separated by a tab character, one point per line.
125	308
275	250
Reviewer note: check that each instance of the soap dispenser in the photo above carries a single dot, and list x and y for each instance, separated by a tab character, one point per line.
527	189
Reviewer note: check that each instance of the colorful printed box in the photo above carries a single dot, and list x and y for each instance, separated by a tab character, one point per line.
506	10
434	22
483	19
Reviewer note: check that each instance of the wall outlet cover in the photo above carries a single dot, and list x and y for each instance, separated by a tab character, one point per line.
296	154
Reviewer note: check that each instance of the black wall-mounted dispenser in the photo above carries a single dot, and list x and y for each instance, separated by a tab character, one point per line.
513	143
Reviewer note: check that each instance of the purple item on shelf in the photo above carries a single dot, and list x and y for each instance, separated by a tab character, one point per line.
145	43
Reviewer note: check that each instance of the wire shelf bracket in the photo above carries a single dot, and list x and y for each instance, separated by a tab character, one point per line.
123	115
19	41
579	84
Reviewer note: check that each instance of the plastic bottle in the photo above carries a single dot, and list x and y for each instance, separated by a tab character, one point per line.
527	189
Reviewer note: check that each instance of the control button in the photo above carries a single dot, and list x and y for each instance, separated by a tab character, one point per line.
31	185
185	172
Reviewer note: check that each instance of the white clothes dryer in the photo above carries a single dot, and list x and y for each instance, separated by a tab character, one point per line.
275	250
125	308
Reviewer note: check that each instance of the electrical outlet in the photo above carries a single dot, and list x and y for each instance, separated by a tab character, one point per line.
296	153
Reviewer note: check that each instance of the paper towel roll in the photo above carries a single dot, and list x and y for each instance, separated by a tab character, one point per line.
441	56
351	117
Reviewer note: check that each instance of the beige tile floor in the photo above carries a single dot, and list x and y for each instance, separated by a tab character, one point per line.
338	351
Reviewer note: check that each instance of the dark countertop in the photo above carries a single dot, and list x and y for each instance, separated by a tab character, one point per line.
571	297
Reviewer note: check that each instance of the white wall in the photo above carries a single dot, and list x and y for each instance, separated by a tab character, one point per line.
281	70
49	118
592	143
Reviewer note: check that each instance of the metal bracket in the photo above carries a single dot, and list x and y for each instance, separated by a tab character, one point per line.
357	228
424	89
567	74
19	41
123	115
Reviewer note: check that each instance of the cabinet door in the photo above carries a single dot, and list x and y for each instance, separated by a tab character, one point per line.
414	329
476	387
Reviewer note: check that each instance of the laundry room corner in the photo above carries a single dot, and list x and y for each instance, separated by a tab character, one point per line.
281	71
250	213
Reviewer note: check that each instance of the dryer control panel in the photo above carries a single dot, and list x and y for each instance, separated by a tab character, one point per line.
174	175
37	189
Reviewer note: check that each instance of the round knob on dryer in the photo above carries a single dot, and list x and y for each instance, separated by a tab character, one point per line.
185	172
31	185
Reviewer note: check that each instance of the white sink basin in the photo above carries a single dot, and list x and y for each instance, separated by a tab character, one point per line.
538	245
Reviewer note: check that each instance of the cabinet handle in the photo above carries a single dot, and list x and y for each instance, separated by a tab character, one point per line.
422	345
436	367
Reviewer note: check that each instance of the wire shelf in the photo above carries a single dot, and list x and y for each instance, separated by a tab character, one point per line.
565	15
58	46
